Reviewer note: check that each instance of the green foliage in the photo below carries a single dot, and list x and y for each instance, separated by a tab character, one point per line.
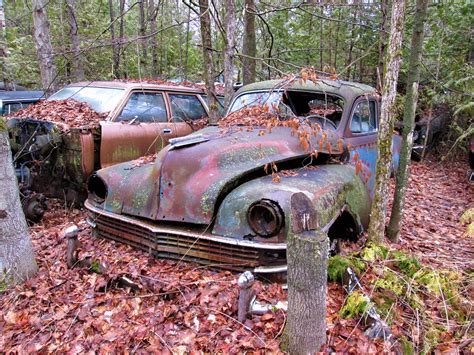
3	124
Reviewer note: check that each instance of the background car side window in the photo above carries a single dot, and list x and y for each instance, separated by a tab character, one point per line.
186	107
364	118
144	107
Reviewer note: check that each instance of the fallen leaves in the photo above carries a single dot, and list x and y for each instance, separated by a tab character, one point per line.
70	112
183	307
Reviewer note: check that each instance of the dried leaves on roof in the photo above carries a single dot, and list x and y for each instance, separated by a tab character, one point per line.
70	112
219	87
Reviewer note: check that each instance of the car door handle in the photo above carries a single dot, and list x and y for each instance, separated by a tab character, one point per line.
167	131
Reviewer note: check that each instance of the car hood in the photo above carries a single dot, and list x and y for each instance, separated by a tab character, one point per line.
187	182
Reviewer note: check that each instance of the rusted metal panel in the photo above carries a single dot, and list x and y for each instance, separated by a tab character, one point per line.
329	187
123	142
87	157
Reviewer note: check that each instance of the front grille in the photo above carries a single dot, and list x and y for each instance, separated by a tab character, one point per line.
178	246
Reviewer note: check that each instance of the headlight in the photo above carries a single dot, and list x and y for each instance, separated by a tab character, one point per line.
265	218
97	188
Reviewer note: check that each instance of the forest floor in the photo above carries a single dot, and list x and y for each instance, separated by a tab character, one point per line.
182	306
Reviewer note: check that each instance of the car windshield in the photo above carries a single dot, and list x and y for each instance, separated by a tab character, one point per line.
99	99
317	106
256	99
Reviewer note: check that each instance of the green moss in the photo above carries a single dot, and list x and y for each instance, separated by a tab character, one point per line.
3	124
407	346
392	282
356	305
373	252
407	265
337	266
95	267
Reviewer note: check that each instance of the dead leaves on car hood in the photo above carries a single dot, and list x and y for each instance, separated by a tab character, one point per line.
69	112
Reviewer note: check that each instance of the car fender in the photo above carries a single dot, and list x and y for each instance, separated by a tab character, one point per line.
331	188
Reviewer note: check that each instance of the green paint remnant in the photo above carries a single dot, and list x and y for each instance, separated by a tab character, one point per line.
245	156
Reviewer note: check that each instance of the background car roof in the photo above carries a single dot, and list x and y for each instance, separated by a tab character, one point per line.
21	95
138	84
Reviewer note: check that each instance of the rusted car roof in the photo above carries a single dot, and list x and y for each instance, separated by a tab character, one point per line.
345	89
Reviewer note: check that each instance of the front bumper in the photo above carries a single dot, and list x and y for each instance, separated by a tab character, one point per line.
188	243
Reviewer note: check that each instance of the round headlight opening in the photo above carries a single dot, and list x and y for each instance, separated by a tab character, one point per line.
265	218
97	187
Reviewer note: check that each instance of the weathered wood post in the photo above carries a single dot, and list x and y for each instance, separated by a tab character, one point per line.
307	254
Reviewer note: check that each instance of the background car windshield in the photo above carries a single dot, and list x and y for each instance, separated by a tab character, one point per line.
99	99
255	99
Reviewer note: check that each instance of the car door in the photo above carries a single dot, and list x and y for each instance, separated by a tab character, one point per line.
361	134
187	111
142	126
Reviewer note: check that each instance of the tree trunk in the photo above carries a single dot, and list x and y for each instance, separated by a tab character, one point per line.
249	48
413	78
229	51
387	117
44	49
77	67
123	73
321	40
115	47
383	40
17	260
153	13
186	52
205	21
142	5
307	253
6	73
351	45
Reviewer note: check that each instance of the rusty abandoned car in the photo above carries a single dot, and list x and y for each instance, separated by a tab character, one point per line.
221	196
133	119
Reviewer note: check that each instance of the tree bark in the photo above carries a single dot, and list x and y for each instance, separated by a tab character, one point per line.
307	253
388	112
123	73
153	13
115	47
8	84
351	45
44	49
249	48
229	52
17	261
205	21
142	5
186	52
383	40
77	67
411	99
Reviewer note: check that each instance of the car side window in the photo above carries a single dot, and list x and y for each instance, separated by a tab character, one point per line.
364	117
186	107
144	107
